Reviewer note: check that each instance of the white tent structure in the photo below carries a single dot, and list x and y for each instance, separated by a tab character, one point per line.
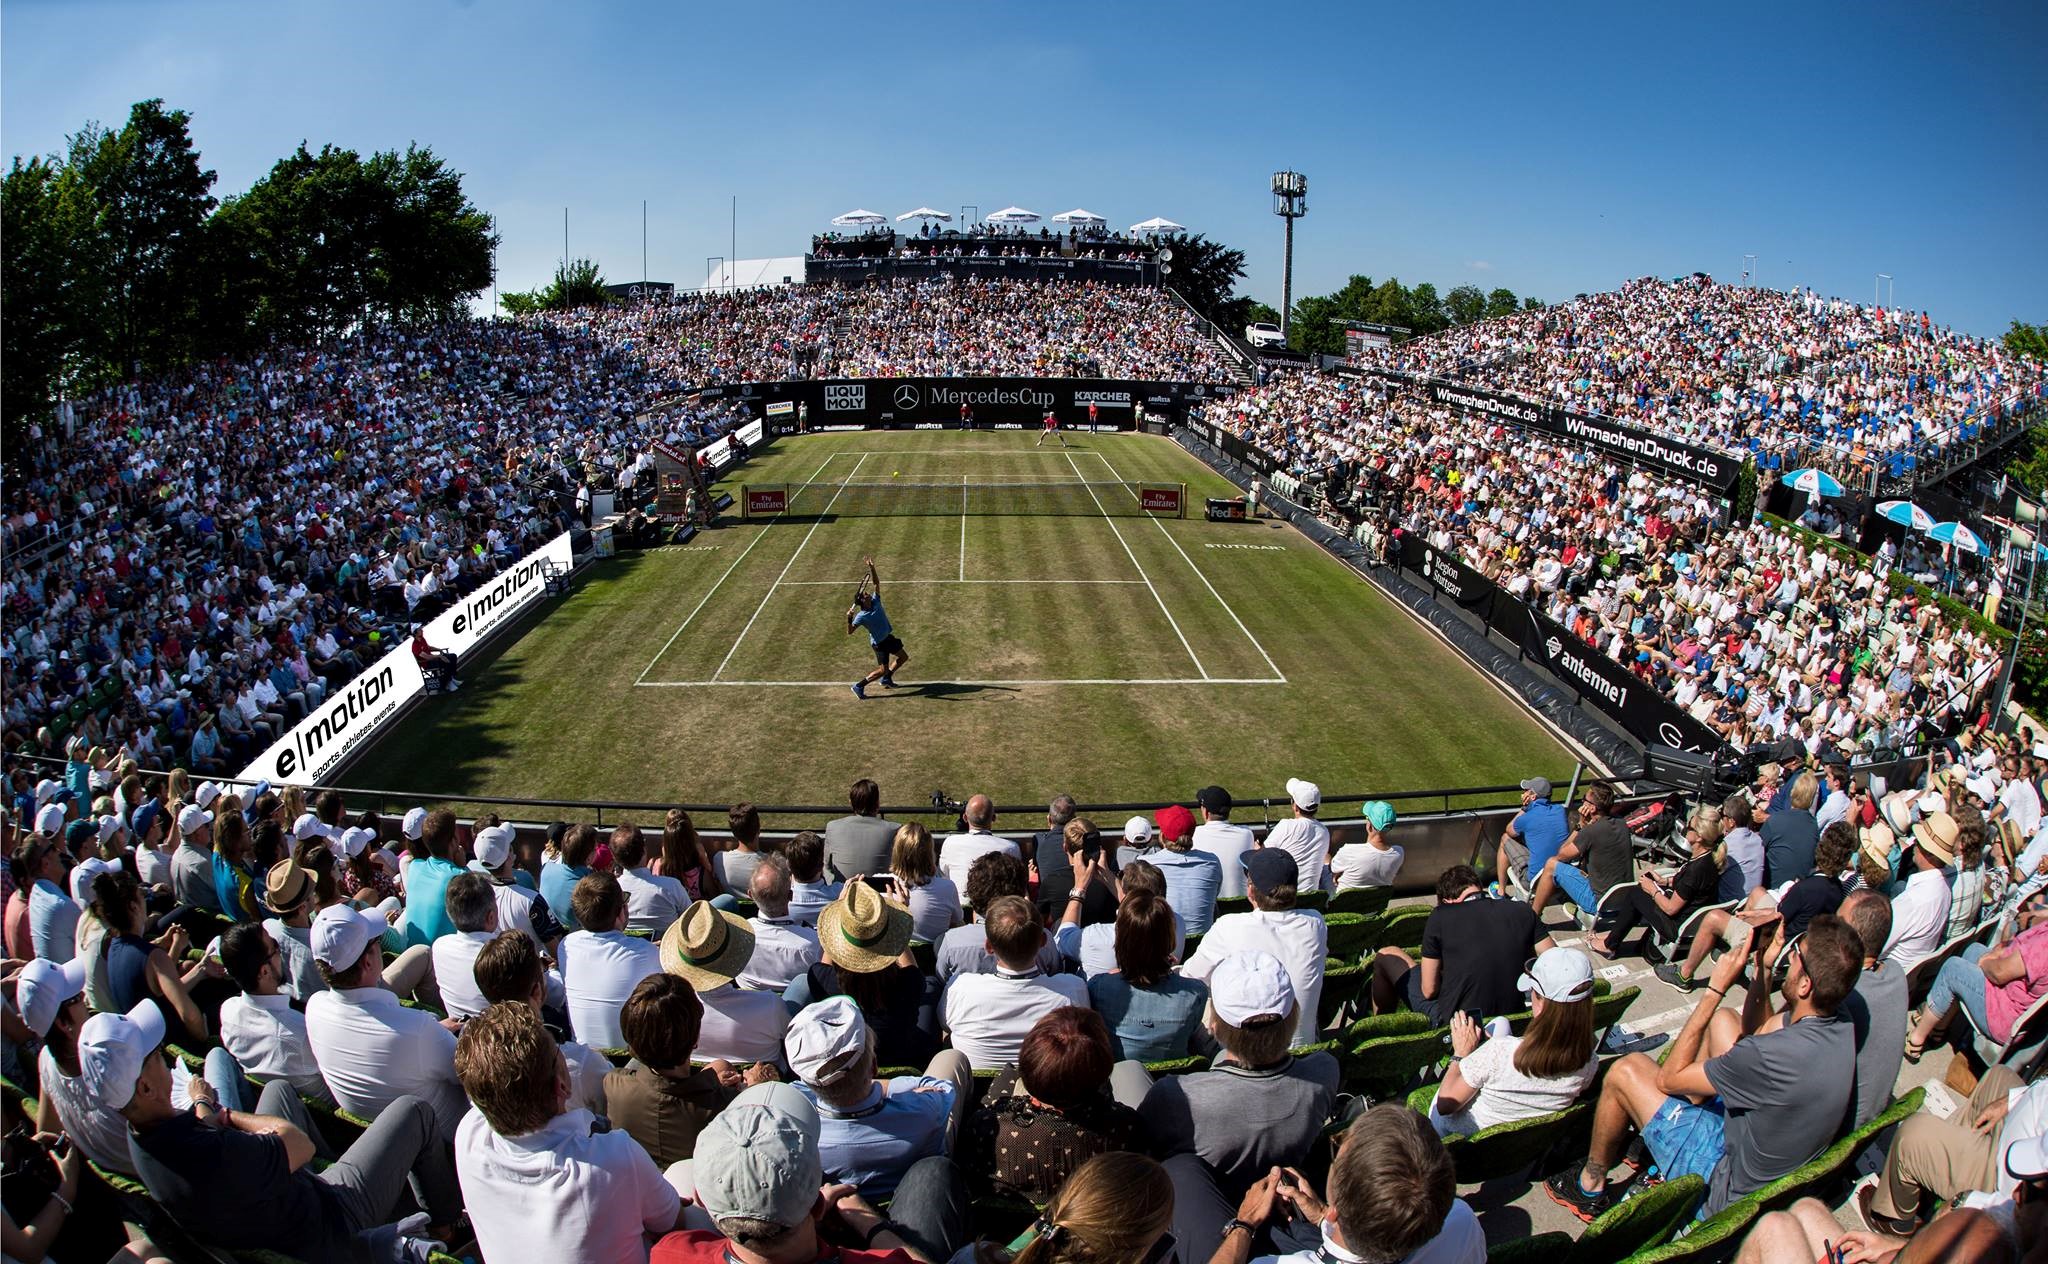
858	219
1013	215
747	274
925	212
1158	224
1078	216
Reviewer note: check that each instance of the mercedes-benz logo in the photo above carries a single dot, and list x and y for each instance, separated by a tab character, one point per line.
1552	646
906	396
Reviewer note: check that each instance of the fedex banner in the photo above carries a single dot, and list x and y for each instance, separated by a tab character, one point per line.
352	716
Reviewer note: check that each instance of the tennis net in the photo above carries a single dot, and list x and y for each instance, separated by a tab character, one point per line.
971	499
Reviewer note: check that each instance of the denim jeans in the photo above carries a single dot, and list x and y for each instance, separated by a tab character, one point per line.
1961	982
931	1207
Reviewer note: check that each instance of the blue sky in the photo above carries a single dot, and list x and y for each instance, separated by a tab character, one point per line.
1552	149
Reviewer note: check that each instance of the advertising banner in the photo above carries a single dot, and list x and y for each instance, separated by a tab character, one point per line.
354	714
1598	680
936	402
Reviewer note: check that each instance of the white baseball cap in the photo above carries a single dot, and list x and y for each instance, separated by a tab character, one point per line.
1307	795
415	821
50	819
43	988
759	1157
342	933
352	841
1983	787
206	794
193	818
1561	974
308	826
1250	985
112	1049
110	826
45	788
822	1034
82	875
491	847
1138	830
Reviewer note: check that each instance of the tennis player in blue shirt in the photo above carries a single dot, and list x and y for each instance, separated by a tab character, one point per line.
866	612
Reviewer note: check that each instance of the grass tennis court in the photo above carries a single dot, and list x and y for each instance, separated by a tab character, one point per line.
1059	640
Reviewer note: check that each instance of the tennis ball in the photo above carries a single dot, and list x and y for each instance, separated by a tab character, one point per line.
895	473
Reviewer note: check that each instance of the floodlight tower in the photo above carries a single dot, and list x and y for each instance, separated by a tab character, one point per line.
1290	202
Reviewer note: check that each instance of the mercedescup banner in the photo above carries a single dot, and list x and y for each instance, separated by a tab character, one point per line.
930	402
353	714
1597	679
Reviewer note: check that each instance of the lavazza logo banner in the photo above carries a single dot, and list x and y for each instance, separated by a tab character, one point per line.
353	716
844	397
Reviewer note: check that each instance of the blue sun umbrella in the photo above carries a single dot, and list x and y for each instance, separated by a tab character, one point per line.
1957	536
1813	482
1906	514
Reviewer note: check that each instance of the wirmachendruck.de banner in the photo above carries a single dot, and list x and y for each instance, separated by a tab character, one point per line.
354	714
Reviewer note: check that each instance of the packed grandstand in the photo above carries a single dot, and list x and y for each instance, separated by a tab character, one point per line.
989	1033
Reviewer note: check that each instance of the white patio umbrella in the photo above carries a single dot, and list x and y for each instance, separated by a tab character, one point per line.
1158	224
858	219
924	212
1957	535
1906	514
1815	483
1013	215
1078	216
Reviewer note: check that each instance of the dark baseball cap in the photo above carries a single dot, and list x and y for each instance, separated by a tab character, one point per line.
1213	798
1269	867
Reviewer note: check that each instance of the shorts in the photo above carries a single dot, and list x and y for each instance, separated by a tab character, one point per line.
1685	1138
1411	992
1577	887
1738	931
1518	859
886	647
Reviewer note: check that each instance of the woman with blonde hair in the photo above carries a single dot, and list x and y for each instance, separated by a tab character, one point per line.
1116	1208
1663	901
931	897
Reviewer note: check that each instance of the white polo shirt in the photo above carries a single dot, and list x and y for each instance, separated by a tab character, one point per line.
2022	805
783	950
1308	841
740	1026
455	972
988	1015
1919	919
1297	938
515	909
652	901
599	971
959	852
563	1192
1364	865
373	1051
268	1037
1228	843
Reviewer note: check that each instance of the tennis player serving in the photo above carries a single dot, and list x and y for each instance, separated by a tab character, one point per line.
866	612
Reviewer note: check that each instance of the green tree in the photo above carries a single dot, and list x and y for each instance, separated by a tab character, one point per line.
152	199
1530	303
1314	327
1206	274
1257	311
2027	340
37	331
1501	302
1465	305
1426	310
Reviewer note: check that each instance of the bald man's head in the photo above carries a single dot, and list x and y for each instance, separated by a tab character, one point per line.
980	813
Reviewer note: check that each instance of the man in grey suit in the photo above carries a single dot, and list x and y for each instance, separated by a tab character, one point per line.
860	843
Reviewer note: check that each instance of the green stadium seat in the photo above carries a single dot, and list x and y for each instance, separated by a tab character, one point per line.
1373	1026
1228	904
617	1057
1349	934
1389	1065
1540	1249
1402	927
1511	1149
1712	1239
1361	900
1342	985
1177	1066
1646	1218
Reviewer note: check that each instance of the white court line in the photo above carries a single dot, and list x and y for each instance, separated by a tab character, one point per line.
840	684
1198	572
708	593
898	583
1141	573
963	529
785	569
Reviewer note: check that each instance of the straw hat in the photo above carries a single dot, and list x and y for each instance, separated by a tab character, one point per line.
1937	836
1878	841
707	946
862	931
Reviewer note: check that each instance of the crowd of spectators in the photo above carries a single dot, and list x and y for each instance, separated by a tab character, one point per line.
1795	378
584	1048
1758	634
204	557
903	328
